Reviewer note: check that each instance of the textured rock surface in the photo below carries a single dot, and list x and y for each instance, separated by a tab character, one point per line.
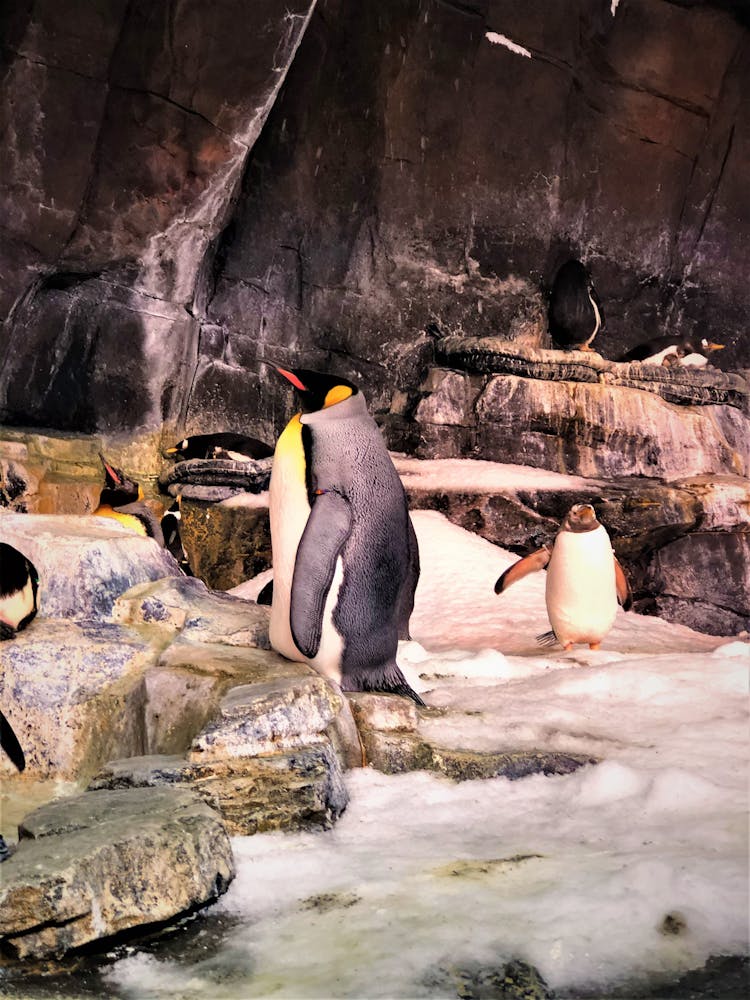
84	563
227	542
73	694
297	789
184	604
411	176
105	862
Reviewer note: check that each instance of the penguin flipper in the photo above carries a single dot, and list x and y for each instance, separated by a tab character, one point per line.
265	594
624	595
9	743
529	564
406	599
325	533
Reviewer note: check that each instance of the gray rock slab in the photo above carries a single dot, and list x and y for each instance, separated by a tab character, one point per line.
73	693
298	789
201	615
84	563
90	867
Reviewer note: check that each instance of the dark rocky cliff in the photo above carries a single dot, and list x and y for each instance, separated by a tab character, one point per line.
185	189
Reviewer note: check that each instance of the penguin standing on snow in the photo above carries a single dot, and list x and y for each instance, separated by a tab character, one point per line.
345	556
585	582
685	352
575	314
122	499
19	583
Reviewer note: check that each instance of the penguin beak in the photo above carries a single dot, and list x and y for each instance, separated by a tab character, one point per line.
715	347
110	472
294	379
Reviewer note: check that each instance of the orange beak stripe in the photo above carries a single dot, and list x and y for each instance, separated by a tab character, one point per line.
293	379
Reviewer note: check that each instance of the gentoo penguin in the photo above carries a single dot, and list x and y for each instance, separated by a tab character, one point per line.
239	447
122	499
585	582
171	524
345	556
575	314
19	583
9	743
687	352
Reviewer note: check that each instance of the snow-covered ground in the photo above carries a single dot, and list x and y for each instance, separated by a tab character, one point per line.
628	870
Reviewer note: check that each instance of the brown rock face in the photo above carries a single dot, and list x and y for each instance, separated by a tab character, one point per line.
415	174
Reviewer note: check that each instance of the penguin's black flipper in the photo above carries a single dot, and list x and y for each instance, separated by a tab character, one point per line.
9	743
325	533
265	595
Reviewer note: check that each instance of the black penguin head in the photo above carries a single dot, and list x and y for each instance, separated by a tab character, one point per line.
119	489
707	346
581	517
318	390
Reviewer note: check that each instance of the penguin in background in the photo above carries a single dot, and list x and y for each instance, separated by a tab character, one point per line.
585	582
225	444
575	314
171	524
686	352
345	555
122	499
19	585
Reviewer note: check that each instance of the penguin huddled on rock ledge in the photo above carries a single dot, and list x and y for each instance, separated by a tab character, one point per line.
223	444
686	352
575	314
345	555
585	582
122	500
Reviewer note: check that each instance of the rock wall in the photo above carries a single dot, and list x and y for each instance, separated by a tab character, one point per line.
186	190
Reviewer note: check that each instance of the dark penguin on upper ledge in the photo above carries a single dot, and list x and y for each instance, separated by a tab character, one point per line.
122	499
224	444
575	314
687	352
19	583
345	555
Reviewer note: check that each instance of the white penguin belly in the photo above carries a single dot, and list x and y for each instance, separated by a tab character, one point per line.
288	510
331	649
15	607
580	590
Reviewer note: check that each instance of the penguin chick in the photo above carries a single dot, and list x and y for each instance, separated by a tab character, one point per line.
19	584
685	352
170	525
122	499
345	555
227	444
9	743
575	314
585	582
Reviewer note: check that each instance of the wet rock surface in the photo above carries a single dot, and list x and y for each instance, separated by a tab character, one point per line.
102	863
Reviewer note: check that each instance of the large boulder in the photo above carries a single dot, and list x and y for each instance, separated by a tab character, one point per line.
91	867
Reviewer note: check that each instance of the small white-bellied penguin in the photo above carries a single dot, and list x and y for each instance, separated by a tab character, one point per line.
686	352
223	444
171	528
585	582
345	556
19	585
575	314
122	500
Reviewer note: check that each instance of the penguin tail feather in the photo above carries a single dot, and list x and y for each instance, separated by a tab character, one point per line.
547	638
389	681
6	632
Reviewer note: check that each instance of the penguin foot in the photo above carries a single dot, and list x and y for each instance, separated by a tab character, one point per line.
595	645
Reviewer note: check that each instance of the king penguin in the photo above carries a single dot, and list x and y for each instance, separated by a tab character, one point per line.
685	352
122	499
575	313
345	555
223	444
19	584
585	582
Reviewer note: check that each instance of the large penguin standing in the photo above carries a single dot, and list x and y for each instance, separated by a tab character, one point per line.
585	582
575	313
345	556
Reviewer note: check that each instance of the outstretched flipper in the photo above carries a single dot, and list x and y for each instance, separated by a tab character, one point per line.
325	533
9	743
624	596
529	564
